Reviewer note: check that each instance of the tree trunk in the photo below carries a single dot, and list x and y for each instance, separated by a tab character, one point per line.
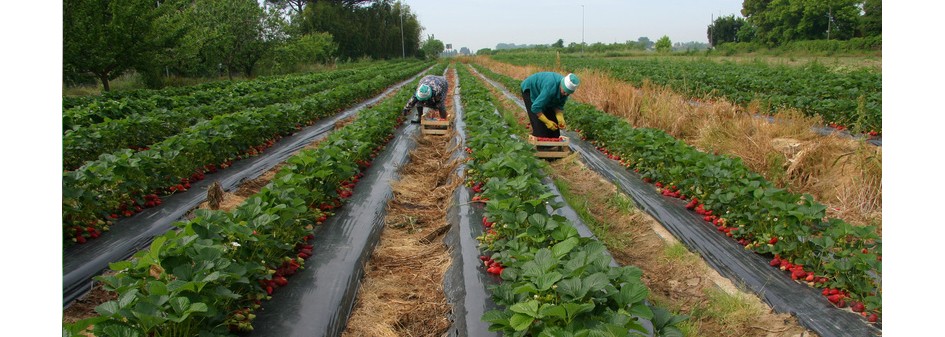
104	78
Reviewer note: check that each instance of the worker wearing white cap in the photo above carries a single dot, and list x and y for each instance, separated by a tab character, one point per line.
544	94
431	93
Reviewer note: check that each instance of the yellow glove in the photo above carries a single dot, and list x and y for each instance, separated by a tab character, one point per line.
560	117
551	125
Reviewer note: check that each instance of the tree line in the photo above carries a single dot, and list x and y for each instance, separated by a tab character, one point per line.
779	22
103	39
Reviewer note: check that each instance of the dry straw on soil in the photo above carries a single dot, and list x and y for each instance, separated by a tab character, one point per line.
842	173
677	279
402	290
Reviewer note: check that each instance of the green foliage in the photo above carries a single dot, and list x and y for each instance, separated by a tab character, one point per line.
432	47
664	45
296	52
106	38
872	22
380	30
778	22
558	44
725	29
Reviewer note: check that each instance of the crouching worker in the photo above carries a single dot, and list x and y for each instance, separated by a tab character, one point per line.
431	93
544	94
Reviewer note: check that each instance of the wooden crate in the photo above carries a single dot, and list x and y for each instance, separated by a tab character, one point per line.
434	127
546	149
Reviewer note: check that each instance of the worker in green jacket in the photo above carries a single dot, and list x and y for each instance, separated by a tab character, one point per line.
544	94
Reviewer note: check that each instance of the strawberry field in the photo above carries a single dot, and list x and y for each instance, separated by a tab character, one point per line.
844	99
291	257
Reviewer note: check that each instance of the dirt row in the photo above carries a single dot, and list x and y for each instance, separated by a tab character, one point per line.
402	293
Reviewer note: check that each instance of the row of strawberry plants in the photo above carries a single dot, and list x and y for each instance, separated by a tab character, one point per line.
851	99
793	229
140	130
210	276
125	182
111	107
553	282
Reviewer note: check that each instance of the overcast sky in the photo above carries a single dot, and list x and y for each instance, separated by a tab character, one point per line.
478	24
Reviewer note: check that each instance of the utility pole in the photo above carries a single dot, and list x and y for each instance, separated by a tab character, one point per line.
582	29
403	48
829	19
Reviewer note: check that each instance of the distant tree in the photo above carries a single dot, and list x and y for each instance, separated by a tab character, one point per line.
230	34
872	22
558	44
485	51
107	38
464	51
777	22
725	29
664	45
645	42
432	47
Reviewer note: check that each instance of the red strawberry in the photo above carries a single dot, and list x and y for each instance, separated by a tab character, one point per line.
858	307
873	318
773	240
281	281
833	298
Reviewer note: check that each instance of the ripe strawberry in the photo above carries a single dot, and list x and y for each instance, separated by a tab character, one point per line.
858	307
873	318
773	240
834	298
80	239
281	281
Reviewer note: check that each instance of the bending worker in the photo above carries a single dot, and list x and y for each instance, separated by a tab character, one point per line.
544	94
431	93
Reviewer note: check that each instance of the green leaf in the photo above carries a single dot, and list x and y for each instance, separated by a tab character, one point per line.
546	281
109	308
562	248
528	308
527	288
180	304
553	310
120	265
520	322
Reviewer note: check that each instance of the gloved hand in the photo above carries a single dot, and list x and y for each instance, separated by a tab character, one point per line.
560	117
551	125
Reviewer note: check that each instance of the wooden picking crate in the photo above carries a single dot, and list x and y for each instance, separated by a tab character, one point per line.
548	149
434	127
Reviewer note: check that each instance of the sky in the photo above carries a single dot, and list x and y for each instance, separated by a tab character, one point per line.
478	24
30	248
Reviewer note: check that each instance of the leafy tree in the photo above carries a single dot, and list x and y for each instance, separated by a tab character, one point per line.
290	55
432	47
229	33
558	44
464	51
645	42
383	29
872	22
725	29
780	21
106	38
664	45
